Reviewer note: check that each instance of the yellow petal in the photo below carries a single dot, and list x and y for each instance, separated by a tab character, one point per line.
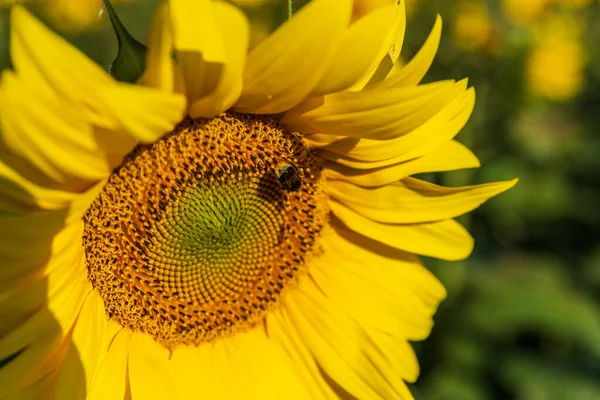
340	345
41	389
235	32
89	343
151	375
385	66
56	317
402	284
145	114
247	365
195	368
55	68
199	42
19	303
393	317
413	200
447	239
50	137
42	341
22	195
285	68
364	45
195	29
213	370
377	115
32	363
52	65
420	141
79	206
449	156
400	354
33	244
159	71
70	378
111	376
302	361
413	72
269	369
400	316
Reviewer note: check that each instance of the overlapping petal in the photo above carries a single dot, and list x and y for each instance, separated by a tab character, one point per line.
149	362
211	42
286	67
449	156
388	61
33	244
160	66
66	124
59	148
245	366
446	239
57	69
413	72
111	379
375	115
41	342
302	361
20	194
370	154
24	300
400	275
235	33
402	311
365	44
413	200
89	343
40	389
342	348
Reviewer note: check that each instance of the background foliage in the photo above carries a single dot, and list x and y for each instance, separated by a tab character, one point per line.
522	319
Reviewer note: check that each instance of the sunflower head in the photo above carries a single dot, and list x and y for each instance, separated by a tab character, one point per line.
193	238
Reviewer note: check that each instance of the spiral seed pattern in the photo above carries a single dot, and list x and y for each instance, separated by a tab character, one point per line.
193	237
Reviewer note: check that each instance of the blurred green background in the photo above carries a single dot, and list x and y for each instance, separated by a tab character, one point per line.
522	318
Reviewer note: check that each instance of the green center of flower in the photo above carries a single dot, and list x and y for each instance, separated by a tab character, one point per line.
196	236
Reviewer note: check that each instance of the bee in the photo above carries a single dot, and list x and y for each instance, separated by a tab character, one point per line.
288	176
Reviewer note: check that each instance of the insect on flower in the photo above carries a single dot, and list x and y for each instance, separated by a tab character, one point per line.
288	176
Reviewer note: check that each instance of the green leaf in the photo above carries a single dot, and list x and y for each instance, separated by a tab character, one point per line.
535	378
130	62
537	297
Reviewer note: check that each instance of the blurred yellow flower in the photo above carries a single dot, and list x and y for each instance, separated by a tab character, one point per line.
574	4
73	14
66	14
558	24
524	11
472	27
555	68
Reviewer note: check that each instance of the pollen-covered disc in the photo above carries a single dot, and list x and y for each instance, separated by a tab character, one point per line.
194	238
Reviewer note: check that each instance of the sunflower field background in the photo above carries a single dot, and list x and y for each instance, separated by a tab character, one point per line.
522	318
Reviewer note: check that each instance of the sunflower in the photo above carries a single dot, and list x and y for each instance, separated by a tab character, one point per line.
241	224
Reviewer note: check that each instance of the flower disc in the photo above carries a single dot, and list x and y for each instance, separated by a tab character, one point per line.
194	236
